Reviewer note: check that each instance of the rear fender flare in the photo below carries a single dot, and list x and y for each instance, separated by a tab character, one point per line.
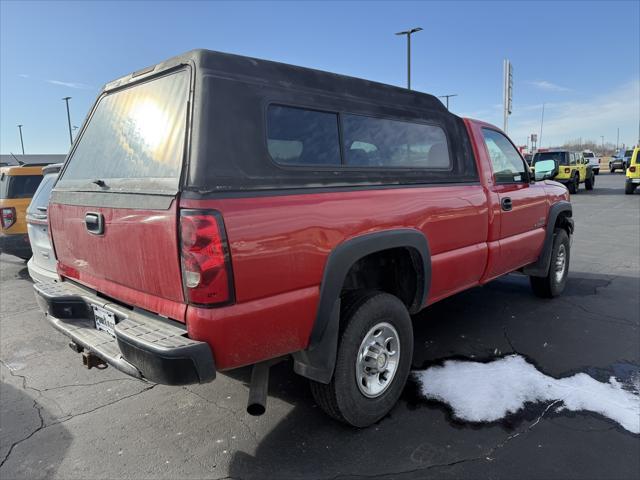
318	360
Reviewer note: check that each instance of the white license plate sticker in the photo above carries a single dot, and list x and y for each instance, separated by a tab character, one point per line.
105	320
636	180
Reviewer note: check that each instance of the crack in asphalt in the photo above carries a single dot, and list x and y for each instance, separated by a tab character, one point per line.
506	337
489	456
16	443
38	407
60	387
596	315
42	425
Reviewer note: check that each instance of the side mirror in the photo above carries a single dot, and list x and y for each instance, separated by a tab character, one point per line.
545	169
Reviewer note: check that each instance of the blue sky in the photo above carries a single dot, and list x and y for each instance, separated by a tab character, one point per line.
582	59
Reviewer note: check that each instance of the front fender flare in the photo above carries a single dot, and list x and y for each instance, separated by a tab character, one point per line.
541	267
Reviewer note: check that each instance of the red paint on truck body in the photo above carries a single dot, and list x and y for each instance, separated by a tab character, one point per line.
279	246
136	260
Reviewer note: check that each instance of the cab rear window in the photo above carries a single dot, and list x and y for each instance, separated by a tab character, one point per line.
561	158
135	138
19	186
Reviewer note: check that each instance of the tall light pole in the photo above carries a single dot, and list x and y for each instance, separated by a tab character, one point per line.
602	137
408	34
447	97
541	124
21	142
618	139
66	99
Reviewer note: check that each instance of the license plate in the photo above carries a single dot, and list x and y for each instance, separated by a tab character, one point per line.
105	320
636	180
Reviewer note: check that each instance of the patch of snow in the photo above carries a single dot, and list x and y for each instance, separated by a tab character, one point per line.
487	392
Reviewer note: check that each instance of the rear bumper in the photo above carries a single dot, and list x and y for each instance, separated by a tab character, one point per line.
145	346
16	244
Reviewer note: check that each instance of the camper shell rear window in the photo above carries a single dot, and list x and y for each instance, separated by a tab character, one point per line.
134	139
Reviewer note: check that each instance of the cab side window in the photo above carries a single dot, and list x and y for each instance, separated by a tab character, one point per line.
508	166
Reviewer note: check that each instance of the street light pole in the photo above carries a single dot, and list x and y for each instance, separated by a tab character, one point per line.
21	142
541	124
447	97
602	137
66	99
408	34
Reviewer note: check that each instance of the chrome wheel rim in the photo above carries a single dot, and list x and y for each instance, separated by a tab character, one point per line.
378	359
561	263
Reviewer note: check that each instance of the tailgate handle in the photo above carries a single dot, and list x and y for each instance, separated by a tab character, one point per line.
94	223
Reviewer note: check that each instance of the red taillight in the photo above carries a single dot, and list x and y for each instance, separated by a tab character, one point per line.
7	216
206	263
632	169
567	170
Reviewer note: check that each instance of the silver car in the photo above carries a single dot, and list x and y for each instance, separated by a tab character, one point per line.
42	265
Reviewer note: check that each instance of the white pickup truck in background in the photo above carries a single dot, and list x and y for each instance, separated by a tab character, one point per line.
594	162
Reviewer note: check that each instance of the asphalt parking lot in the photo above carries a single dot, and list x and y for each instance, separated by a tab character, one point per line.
59	420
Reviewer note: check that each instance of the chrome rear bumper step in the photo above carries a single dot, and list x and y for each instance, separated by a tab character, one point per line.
145	345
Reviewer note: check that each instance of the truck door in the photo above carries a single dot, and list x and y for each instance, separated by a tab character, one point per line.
523	205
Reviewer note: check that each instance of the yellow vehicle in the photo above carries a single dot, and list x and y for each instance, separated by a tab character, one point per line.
17	186
633	172
573	168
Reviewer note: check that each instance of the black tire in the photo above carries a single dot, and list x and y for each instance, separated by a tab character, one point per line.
552	286
612	169
573	185
597	171
629	188
590	182
341	398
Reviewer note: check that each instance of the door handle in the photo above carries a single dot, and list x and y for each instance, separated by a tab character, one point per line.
506	204
94	223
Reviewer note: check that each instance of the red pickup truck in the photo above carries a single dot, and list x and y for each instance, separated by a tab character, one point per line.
218	211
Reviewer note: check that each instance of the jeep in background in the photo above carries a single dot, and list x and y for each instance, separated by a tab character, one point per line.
17	186
218	211
632	174
573	168
593	161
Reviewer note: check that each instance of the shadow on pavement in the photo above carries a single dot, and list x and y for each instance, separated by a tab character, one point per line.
482	324
22	418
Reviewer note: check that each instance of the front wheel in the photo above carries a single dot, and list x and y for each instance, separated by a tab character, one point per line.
573	185
373	361
597	171
553	284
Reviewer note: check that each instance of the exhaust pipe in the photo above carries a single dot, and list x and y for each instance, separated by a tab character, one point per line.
258	389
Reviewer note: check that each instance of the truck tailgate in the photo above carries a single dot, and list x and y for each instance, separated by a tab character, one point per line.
135	259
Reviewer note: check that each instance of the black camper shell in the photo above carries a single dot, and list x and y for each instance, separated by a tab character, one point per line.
226	149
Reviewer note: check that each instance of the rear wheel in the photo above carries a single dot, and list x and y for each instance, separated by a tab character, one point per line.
590	182
629	188
553	284
373	361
